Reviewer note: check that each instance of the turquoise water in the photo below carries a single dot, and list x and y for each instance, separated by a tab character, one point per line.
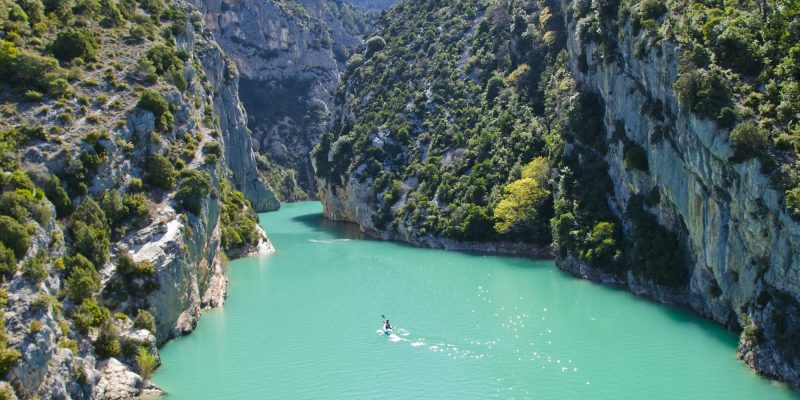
301	324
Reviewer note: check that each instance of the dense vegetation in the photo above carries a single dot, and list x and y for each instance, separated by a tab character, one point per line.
741	68
468	125
73	75
449	113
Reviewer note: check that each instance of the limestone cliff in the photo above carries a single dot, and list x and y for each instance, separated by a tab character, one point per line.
289	55
664	204
167	257
741	244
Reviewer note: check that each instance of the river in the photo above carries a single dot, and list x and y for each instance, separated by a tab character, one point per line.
302	324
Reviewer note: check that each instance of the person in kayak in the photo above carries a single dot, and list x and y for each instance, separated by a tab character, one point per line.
387	326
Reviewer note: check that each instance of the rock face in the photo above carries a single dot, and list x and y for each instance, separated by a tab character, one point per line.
56	359
742	247
239	154
289	55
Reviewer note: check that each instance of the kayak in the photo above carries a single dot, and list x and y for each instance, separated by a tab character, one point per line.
388	331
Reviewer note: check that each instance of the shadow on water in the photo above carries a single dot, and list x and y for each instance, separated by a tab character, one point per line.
342	230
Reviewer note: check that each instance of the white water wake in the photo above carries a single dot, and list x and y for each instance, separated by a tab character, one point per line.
331	241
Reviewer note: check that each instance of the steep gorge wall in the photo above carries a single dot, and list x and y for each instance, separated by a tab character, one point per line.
739	248
743	249
289	56
184	248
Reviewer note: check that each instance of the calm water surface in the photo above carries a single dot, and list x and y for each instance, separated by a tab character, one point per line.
301	324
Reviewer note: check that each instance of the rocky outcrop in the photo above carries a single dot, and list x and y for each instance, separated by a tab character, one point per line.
742	247
57	360
221	74
289	57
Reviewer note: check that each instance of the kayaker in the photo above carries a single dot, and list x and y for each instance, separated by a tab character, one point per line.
386	325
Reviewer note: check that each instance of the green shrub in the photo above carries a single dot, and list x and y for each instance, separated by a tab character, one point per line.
375	44
70	344
8	262
603	246
164	59
35	326
14	236
145	320
146	362
193	189
655	252
107	343
493	88
74	43
155	103
90	232
8	358
793	202
83	280
130	268
35	268
651	9
635	156
238	220
58	196
736	48
749	140
159	172
706	93
89	315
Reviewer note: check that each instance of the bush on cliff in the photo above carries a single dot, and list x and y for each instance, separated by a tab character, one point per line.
145	320
74	43
107	343
14	236
159	172
156	103
83	280
706	93
193	189
749	140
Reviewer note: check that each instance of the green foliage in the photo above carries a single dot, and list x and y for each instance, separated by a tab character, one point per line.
602	247
8	262
107	343
24	69
14	236
73	43
83	280
239	221
655	252
90	315
793	202
164	59
120	208
704	92
90	232
35	268
146	362
375	44
519	207
130	268
155	103
8	356
749	140
145	320
651	9
193	189
58	196
634	155
159	172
